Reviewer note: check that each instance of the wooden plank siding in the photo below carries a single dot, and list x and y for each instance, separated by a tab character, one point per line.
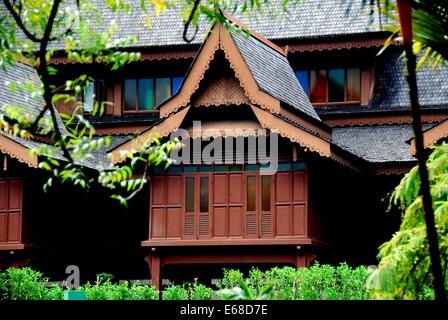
228	216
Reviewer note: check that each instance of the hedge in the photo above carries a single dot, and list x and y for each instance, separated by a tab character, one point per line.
319	282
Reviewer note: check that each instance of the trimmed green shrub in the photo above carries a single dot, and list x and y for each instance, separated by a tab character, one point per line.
175	292
25	284
105	290
197	291
319	282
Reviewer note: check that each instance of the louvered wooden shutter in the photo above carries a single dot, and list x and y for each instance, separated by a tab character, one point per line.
204	226
251	225
266	224
189	225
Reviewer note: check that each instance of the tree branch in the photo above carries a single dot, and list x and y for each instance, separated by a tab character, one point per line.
422	158
187	24
45	78
19	22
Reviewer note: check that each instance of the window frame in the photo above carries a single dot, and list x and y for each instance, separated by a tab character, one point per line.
156	107
99	94
333	103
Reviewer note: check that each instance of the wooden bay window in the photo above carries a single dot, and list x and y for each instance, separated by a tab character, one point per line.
215	204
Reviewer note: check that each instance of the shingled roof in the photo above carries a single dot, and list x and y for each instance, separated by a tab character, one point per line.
32	105
306	19
376	144
273	73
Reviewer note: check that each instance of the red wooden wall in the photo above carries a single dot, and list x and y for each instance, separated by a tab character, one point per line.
10	211
228	214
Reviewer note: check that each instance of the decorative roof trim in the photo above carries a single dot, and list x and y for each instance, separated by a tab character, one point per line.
432	135
194	76
392	170
304	124
380	120
219	38
244	75
160	129
329	45
120	130
17	151
293	133
151	55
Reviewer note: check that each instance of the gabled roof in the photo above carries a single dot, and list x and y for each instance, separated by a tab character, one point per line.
261	68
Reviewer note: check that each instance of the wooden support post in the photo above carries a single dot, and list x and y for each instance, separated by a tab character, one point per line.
300	261
300	258
155	271
153	261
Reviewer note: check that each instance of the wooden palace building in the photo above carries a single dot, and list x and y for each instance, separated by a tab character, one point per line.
307	92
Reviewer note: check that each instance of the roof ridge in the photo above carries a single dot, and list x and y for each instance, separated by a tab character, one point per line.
256	35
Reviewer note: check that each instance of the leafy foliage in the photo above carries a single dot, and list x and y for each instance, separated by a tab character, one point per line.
430	29
404	270
188	291
106	290
316	282
27	284
319	282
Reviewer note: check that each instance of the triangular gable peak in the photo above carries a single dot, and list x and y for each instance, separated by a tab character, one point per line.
257	72
219	38
260	67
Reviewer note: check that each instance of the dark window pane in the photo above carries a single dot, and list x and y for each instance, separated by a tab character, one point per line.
251	193
265	193
163	90
189	195
302	76
145	94
336	83
318	86
353	84
204	194
88	97
130	94
177	81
